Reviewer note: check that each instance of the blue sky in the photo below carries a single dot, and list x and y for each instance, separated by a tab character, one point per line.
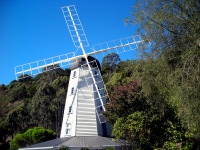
32	30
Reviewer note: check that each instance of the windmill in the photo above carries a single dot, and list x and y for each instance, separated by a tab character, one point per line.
86	94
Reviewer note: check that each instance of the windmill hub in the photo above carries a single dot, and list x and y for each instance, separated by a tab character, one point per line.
81	62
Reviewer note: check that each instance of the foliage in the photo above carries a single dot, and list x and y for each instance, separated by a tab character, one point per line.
24	78
17	142
109	64
124	100
62	147
156	96
2	87
174	28
31	136
109	148
24	102
132	129
19	93
128	103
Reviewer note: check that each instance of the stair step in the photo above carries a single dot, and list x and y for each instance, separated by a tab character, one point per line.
86	134
86	122
80	116
85	96
86	126
86	119
92	126
90	101
86	109
90	106
85	112
87	100
86	129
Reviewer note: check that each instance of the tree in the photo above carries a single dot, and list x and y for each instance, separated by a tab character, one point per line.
24	78
132	129
17	142
173	27
62	147
2	87
129	101
38	101
41	112
109	63
109	148
124	100
31	136
19	93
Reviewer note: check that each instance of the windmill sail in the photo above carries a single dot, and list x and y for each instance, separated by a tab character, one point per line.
75	27
65	60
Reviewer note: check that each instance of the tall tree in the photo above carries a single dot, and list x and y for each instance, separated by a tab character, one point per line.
145	120
110	63
124	100
173	27
41	106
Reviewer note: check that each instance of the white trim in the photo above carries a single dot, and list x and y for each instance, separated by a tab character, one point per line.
35	148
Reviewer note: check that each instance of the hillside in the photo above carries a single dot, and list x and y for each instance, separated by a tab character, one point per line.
154	100
31	102
133	87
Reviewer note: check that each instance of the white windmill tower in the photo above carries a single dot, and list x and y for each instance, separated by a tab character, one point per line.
86	94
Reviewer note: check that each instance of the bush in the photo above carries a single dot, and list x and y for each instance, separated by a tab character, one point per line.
18	141
109	148
62	147
31	136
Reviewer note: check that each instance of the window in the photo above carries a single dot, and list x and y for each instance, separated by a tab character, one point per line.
99	91
74	74
72	91
95	74
70	109
101	108
68	128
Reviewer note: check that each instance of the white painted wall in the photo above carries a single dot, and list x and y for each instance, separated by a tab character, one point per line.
76	100
71	100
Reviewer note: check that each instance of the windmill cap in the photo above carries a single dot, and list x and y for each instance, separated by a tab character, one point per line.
81	62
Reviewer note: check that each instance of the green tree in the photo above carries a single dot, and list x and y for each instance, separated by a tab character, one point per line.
169	74
19	93
62	147
132	129
41	106
31	136
173	27
17	142
130	98
109	64
110	148
40	134
24	78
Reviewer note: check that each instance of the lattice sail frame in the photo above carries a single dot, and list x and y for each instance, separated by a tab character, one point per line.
98	51
40	66
75	27
100	108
